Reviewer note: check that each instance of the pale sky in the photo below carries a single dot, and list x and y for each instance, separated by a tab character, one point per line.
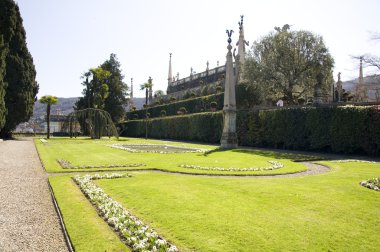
66	38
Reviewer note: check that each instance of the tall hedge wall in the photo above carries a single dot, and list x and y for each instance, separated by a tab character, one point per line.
194	105
202	127
339	130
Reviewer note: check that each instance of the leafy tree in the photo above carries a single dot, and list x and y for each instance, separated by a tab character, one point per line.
20	74
98	122
118	90
159	93
48	100
3	109
289	65
105	89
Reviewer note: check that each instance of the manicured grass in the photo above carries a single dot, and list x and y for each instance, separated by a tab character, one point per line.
87	231
325	212
96	152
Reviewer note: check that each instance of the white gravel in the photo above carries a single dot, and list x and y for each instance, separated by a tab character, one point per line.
28	220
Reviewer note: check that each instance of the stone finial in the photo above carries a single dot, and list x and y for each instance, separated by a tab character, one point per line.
229	33
241	22
339	76
207	63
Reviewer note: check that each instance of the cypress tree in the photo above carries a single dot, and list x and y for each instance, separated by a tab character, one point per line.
114	104
3	110
20	73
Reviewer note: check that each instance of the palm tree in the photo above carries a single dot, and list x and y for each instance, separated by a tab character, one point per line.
147	85
48	100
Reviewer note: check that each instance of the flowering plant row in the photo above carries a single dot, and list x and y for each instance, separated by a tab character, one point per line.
354	160
131	149
274	165
136	234
373	184
67	165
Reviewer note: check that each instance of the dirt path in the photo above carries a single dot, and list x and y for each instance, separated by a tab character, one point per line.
28	220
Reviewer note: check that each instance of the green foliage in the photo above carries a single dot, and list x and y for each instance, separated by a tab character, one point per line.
182	110
96	121
20	74
96	90
117	90
195	105
204	127
147	86
287	64
3	86
48	100
105	89
340	130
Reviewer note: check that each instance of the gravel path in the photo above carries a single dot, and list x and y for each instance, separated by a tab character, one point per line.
28	220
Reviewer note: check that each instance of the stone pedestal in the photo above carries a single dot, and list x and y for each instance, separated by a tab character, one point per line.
229	136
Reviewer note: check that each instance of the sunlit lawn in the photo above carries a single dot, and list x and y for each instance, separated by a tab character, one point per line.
97	152
329	211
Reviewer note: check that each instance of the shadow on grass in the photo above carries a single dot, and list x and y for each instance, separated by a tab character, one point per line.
295	157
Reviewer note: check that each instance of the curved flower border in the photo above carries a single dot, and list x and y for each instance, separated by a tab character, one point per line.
136	234
373	184
354	160
122	147
65	164
274	165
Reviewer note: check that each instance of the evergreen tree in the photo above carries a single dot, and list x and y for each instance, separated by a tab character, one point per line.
116	100
3	110
289	65
20	73
105	89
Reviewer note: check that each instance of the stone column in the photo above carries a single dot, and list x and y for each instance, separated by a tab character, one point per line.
150	90
229	137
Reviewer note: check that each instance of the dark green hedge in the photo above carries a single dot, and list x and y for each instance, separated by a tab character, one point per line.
195	105
339	130
202	127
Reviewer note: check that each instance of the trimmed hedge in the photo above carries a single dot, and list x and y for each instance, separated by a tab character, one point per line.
202	127
349	130
195	105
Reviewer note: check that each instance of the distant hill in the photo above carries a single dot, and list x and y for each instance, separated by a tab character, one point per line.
372	83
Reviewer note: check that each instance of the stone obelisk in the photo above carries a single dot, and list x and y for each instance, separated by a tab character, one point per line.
229	137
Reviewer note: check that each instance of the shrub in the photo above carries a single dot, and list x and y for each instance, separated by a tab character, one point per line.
195	105
182	110
203	127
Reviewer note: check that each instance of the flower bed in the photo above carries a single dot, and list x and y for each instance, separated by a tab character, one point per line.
67	165
354	160
274	165
135	233
373	184
154	148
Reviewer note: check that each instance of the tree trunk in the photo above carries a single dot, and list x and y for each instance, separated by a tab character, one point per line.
146	96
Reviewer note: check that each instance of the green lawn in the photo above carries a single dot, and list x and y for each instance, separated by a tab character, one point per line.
325	212
330	211
96	152
87	231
